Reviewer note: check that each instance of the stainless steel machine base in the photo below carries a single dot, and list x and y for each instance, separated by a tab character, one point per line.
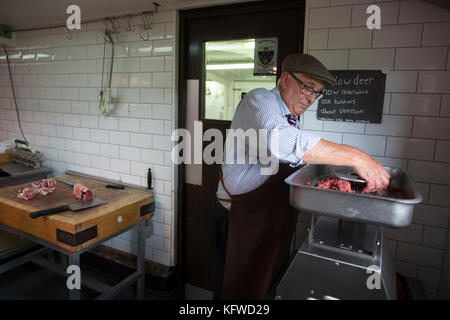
340	259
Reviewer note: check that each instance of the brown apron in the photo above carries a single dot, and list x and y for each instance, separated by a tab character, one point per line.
261	225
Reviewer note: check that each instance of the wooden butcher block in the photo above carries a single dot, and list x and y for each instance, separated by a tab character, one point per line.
76	230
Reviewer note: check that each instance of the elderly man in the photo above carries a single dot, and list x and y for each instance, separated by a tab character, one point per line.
252	222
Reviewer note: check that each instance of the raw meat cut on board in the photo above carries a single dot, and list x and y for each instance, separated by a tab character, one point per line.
82	192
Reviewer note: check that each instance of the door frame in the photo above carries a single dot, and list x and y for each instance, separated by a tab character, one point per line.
184	17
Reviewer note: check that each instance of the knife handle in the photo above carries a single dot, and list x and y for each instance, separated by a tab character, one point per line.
50	211
115	186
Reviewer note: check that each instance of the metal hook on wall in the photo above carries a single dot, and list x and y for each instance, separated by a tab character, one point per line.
144	27
129	22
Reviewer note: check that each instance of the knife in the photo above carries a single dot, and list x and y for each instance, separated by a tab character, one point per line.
67	207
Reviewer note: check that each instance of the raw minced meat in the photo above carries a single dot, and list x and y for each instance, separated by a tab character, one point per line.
334	183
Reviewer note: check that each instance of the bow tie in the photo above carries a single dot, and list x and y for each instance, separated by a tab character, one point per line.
291	120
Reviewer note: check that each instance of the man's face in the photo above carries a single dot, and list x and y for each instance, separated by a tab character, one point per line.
298	97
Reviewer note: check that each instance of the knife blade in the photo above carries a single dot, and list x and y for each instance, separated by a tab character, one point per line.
68	207
70	183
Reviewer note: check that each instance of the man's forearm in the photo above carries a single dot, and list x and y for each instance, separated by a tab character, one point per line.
327	152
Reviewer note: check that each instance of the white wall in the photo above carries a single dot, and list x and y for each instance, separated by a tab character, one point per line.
412	47
57	83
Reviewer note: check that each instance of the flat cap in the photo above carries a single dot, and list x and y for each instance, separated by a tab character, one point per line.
305	63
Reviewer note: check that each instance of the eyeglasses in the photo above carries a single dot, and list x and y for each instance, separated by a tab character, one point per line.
307	90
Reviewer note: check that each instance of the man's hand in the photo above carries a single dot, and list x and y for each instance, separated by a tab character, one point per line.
326	152
373	172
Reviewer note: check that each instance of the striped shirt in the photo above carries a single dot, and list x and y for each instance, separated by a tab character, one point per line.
263	109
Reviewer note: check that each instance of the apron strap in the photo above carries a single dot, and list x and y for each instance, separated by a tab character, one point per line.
225	188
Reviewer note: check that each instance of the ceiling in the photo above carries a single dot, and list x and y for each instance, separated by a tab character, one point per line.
26	14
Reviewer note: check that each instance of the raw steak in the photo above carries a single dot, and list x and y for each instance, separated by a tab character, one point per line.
28	193
82	192
44	183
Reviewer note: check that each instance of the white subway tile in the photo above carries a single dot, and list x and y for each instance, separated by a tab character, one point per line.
423	256
47	105
431	172
152	126
108	123
90	147
445	107
430	278
89	94
71	120
419	11
337	17
319	3
409	148
162	79
434	82
431	215
391	125
168	96
162	143
433	128
48	130
411	233
335	137
65	156
393	162
70	93
152	64
401	81
140	110
168	63
140	140
163	47
100	162
152	156
434	237
389	14
117	137
61	80
128	64
122	166
129	95
442	151
161	111
40	141
139	169
99	135
80	107
88	66
407	35
439	195
421	58
436	34
347	38
332	59
371	59
340	126
130	125
373	145
139	49
72	145
415	104
310	121
317	39
162	173
81	133
152	95
89	121
140	80
108	150
424	190
406	269
161	257
82	159
127	153
64	132
119	110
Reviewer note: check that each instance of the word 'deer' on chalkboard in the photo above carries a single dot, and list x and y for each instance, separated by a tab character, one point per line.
357	97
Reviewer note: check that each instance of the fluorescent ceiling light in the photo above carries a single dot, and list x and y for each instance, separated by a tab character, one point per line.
246	45
229	66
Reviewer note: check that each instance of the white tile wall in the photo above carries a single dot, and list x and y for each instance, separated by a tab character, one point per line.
58	98
412	48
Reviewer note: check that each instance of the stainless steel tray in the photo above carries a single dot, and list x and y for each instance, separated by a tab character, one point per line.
374	209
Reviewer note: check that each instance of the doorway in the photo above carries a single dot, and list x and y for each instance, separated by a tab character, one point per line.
216	69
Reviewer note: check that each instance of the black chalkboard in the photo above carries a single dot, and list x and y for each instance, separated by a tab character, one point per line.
358	96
